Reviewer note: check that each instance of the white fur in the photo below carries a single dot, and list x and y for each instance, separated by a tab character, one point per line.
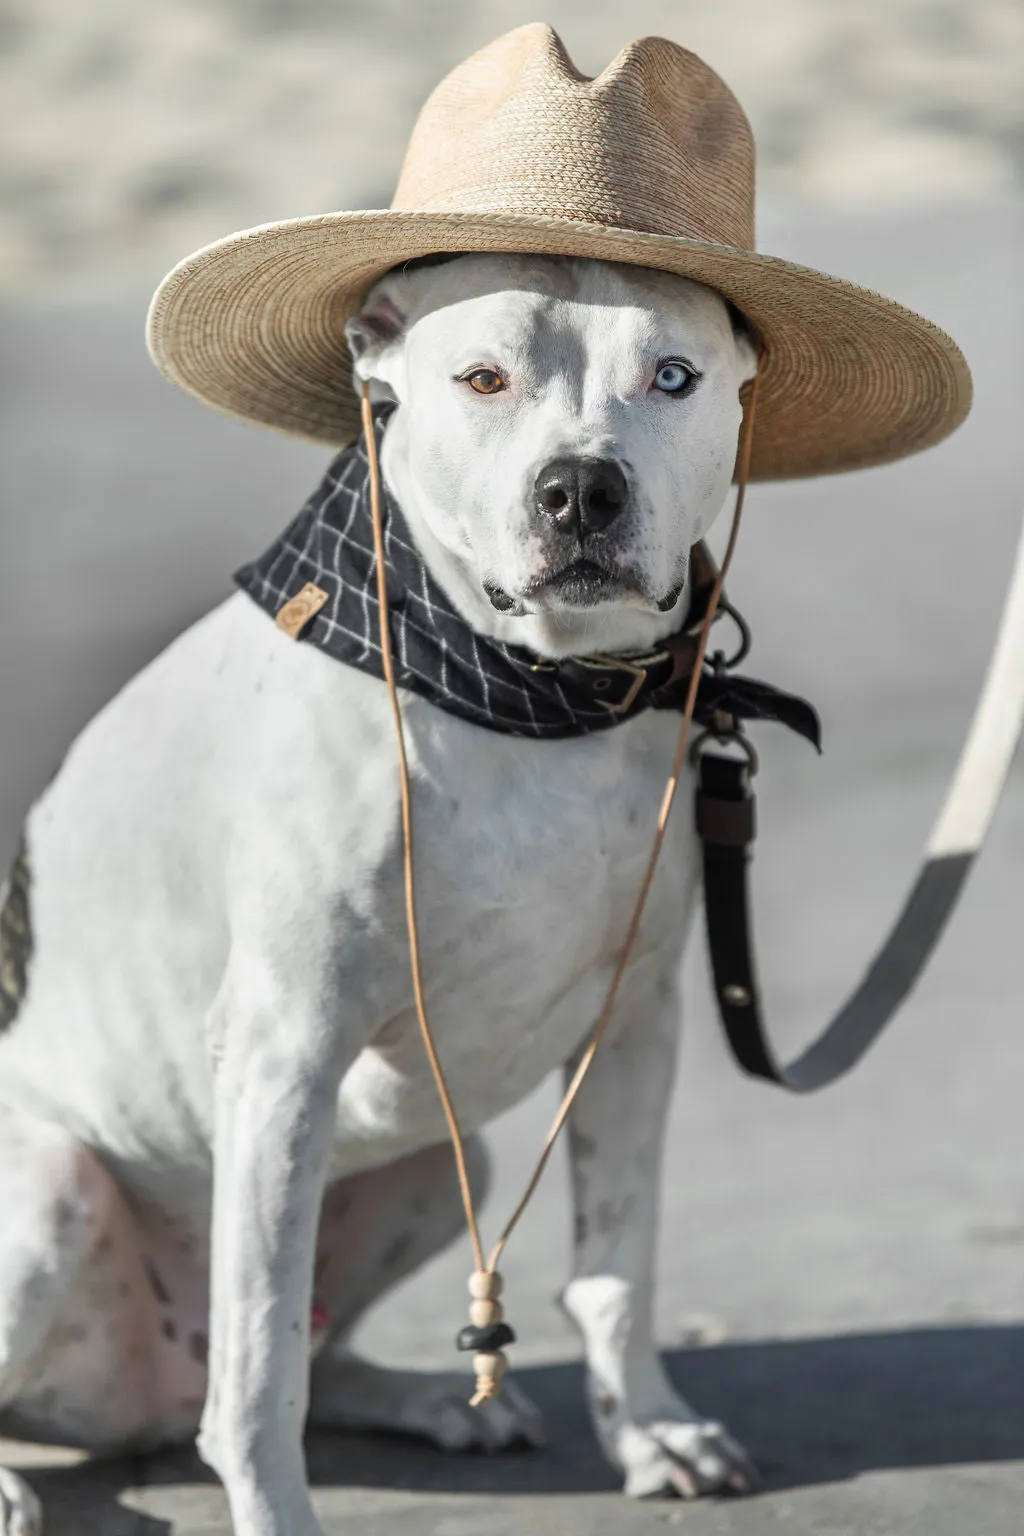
219	1002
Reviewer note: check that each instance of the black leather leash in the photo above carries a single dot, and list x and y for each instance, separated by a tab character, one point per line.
726	824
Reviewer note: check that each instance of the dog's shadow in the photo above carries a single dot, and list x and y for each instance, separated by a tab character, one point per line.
809	1410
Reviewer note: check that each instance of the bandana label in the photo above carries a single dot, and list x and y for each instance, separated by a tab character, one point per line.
298	611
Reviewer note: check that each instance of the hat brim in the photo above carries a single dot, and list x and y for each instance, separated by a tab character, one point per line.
254	325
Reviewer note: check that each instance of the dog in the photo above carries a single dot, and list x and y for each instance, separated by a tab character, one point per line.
214	1102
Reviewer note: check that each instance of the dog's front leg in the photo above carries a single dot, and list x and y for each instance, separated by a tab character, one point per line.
278	1069
616	1131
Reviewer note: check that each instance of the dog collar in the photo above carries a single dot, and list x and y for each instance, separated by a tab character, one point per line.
318	580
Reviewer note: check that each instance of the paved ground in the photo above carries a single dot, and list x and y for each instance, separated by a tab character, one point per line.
842	1279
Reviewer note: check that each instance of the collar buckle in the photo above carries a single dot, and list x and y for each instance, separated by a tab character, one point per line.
636	670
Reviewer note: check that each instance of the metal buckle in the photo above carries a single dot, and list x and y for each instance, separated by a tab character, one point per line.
636	669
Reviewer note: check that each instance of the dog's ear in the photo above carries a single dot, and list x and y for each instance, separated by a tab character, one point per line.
747	353
372	331
748	347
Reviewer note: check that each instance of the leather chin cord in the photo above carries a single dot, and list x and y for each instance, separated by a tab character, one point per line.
488	1332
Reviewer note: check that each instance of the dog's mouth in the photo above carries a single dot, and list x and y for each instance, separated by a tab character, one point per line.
580	583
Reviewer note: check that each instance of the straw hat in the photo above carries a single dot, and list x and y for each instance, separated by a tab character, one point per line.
651	163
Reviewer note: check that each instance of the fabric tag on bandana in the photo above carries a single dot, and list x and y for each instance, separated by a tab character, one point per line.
298	611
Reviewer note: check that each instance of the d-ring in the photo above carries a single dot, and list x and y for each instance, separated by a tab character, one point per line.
724	606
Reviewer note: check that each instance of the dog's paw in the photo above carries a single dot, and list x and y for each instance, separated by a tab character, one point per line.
676	1454
21	1513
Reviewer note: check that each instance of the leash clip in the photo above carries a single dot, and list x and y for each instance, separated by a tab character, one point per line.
726	732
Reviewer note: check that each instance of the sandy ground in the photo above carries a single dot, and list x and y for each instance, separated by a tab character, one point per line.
841	1279
134	132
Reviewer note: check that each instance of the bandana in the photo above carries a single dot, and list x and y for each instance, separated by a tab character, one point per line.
439	656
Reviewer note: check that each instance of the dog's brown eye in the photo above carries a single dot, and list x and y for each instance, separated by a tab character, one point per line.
485	381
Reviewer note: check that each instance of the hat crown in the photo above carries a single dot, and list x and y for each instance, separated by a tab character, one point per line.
656	142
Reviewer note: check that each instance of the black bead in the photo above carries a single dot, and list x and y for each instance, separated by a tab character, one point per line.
485	1341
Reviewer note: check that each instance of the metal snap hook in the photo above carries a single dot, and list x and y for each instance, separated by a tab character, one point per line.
733	737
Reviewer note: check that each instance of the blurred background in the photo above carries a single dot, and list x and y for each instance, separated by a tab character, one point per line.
874	1235
136	130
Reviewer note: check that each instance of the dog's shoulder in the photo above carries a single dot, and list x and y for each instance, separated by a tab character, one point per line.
234	737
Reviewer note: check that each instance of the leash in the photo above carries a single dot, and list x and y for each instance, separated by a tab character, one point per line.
487	1333
725	815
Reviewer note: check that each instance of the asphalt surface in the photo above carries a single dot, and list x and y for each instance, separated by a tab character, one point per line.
842	1279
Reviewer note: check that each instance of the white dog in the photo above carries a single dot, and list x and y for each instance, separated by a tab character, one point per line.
214	1101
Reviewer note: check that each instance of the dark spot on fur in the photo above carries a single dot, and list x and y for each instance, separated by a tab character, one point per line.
104	1245
156	1285
15	935
396	1251
71	1333
581	1227
606	1406
64	1213
168	1330
198	1347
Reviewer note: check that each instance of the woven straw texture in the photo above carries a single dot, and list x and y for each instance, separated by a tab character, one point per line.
651	164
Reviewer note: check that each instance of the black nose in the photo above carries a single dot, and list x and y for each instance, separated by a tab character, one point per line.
581	495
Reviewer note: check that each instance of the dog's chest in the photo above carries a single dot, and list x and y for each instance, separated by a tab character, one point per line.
528	859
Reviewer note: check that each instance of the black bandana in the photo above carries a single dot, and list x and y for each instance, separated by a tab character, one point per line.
436	653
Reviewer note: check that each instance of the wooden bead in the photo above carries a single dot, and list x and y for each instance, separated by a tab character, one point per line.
490	1367
484	1286
483	1312
488	1377
489	1371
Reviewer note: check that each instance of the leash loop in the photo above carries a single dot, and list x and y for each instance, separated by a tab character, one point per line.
725	814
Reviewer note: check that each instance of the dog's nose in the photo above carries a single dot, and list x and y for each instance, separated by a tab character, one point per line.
582	495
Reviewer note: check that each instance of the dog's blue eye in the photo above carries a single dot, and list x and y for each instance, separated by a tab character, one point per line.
673	377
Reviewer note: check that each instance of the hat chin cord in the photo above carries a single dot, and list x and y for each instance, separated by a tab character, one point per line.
488	1332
